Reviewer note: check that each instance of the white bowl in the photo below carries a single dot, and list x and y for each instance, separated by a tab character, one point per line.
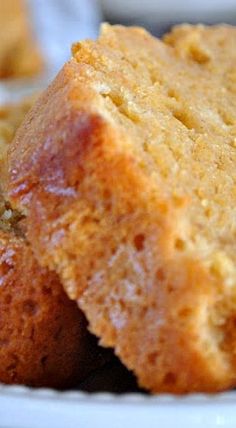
171	10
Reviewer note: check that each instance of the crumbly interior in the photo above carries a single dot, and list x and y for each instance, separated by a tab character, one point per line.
175	104
127	171
9	218
180	110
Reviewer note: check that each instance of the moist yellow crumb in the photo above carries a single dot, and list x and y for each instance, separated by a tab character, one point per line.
126	170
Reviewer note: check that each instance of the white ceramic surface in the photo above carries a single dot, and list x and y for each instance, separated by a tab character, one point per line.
171	10
24	408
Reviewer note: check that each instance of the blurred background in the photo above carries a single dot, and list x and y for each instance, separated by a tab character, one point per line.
60	22
36	35
158	15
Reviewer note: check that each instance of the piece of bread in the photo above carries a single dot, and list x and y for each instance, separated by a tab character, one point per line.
43	336
11	116
19	54
125	169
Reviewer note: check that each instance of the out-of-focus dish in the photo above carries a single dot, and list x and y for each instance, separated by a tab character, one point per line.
19	53
170	11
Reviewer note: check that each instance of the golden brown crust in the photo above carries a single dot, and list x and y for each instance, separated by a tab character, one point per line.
19	54
43	336
108	225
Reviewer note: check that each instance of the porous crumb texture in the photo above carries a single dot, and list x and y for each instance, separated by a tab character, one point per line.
43	335
19	54
126	170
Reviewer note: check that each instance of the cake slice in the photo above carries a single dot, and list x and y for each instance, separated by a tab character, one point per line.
125	170
43	335
19	53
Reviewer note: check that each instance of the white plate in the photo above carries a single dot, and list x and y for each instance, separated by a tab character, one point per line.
172	10
26	408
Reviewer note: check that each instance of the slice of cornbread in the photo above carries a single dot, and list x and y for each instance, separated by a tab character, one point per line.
11	116
126	171
19	54
43	336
